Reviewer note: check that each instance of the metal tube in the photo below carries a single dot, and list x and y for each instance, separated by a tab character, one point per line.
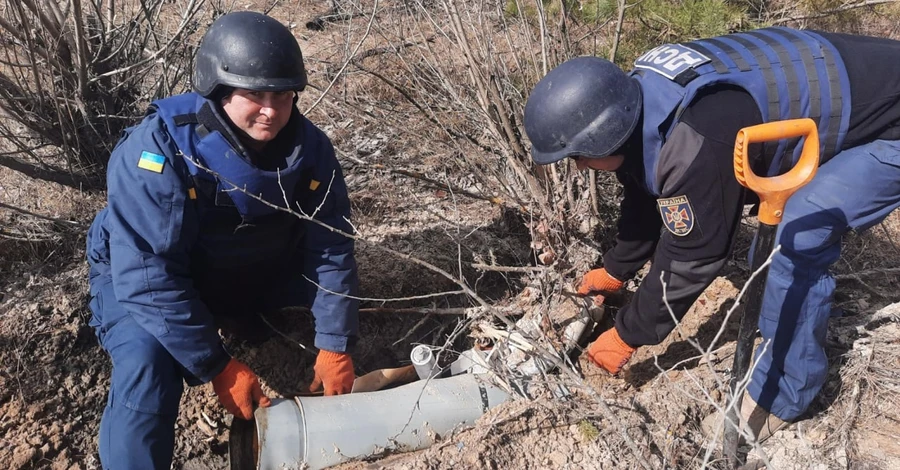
318	432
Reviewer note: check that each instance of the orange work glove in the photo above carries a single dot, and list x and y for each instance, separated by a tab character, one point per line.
334	371
610	352
598	281
238	389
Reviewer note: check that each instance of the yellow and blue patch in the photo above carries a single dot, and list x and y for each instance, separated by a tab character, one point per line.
151	161
677	215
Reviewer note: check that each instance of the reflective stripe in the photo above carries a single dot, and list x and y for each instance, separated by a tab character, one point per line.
770	149
834	121
790	72
734	55
794	95
714	59
833	108
812	78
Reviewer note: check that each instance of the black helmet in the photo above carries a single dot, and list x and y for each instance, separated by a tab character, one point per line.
587	106
248	50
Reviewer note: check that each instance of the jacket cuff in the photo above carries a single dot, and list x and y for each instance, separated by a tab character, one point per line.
212	366
335	343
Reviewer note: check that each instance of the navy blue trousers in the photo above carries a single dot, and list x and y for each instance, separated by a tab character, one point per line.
137	430
855	190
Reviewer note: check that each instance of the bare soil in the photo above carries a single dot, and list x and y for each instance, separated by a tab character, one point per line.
54	376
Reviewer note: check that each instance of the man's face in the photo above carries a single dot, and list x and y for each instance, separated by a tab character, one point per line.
610	163
259	114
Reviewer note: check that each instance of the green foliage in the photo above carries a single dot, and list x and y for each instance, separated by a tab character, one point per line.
588	431
648	23
594	11
588	11
655	22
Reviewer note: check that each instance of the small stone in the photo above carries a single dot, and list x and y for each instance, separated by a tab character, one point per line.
558	459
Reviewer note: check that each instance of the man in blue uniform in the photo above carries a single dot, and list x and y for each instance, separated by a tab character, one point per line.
198	232
667	129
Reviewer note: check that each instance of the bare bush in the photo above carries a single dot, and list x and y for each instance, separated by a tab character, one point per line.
74	73
456	75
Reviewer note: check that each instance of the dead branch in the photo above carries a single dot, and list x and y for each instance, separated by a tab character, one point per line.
280	333
394	299
869	272
344	67
833	11
509	269
498	121
468	312
69	224
375	245
21	237
376	51
436	184
318	23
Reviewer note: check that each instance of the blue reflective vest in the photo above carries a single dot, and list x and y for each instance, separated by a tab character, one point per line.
238	232
789	73
180	244
210	156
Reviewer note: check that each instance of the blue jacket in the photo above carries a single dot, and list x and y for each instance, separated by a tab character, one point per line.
181	240
789	73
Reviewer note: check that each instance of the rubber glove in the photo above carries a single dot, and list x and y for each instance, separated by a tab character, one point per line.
610	352
238	389
598	281
334	371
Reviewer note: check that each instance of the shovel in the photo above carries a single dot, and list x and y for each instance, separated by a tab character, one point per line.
773	193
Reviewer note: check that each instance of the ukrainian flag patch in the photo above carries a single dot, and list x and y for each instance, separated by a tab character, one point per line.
151	161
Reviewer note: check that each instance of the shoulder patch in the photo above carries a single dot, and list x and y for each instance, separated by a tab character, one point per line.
670	60
677	215
151	161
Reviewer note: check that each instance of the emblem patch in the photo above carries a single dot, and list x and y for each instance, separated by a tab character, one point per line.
677	215
670	60
151	161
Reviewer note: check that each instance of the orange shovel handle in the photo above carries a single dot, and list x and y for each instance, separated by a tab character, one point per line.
774	191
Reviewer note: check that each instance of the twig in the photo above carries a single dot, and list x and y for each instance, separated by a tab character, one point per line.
509	269
397	299
445	186
868	272
388	49
375	245
61	222
344	67
467	311
833	11
276	330
19	237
